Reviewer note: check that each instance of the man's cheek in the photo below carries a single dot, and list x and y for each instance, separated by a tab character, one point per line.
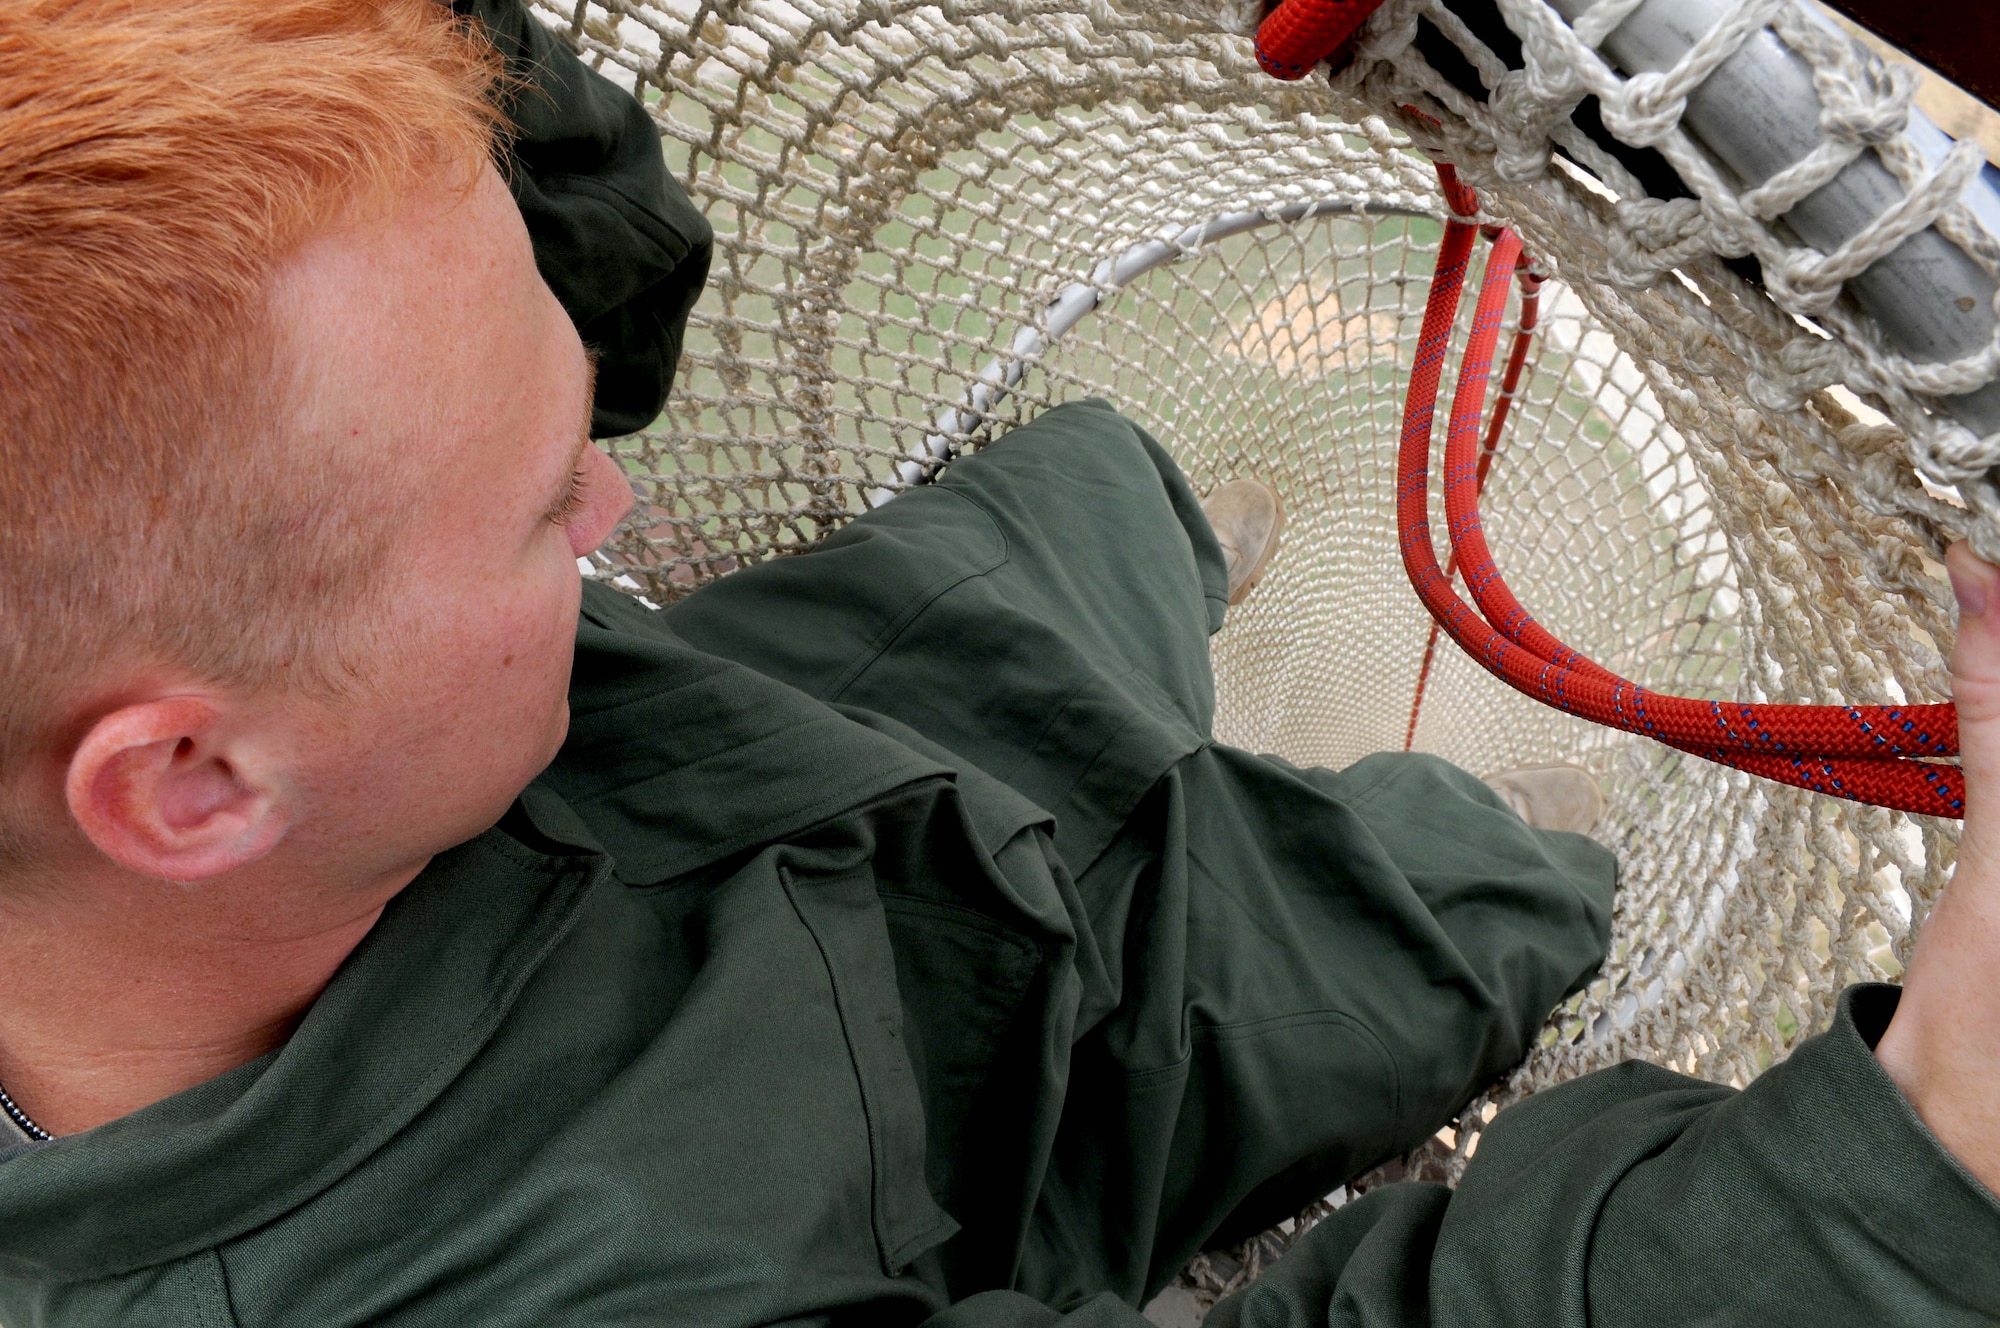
546	670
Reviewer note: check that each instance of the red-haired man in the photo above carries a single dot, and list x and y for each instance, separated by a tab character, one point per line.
395	931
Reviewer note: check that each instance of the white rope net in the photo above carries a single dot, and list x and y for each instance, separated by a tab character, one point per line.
899	188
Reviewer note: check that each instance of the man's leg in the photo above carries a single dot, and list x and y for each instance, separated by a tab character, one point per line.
1300	972
1043	612
1319	969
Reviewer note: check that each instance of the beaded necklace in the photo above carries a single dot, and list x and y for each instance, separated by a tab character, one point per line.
22	1119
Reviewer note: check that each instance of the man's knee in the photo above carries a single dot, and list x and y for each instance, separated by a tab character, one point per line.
1103	489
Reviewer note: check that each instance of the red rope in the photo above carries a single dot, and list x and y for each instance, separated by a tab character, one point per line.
1298	34
1524	333
1865	753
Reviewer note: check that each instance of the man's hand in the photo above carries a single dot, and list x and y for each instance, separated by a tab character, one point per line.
1943	1047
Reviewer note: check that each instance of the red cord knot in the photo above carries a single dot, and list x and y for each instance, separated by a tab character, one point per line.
1298	34
1458	195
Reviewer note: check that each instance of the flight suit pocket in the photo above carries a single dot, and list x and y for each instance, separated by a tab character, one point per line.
844	915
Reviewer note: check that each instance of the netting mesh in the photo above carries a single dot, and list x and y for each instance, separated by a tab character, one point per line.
899	188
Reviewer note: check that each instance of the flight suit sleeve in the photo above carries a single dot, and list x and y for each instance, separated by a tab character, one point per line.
1636	1197
1814	1197
616	238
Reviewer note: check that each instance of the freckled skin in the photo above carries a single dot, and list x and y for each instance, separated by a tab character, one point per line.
440	350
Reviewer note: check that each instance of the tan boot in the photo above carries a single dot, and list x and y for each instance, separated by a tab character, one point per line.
1551	797
1246	517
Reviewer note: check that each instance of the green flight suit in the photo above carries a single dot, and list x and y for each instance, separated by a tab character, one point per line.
765	1008
890	945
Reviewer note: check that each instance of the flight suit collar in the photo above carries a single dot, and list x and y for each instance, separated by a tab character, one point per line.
413	1003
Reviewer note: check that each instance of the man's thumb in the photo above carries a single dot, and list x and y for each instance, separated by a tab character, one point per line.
1975	678
1975	659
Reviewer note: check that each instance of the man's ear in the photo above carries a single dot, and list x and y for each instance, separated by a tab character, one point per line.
159	791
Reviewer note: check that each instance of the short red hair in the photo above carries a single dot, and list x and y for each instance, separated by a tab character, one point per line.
157	162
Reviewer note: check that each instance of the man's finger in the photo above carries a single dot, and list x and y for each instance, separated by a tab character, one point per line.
1975	685
1975	660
